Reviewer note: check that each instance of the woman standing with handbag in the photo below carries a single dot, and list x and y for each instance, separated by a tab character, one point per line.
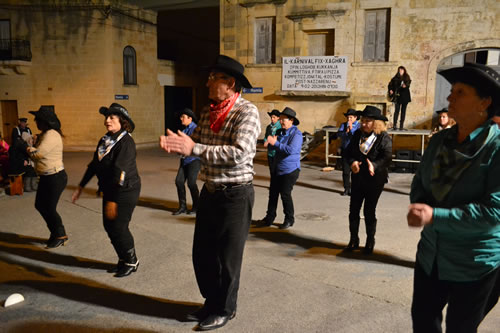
399	93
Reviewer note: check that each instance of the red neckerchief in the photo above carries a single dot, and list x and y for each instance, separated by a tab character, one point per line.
219	112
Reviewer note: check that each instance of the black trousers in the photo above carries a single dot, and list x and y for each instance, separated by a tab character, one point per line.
48	193
118	229
222	225
468	302
346	173
188	172
282	185
369	192
399	106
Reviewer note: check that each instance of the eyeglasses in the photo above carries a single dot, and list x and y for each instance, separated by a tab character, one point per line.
214	76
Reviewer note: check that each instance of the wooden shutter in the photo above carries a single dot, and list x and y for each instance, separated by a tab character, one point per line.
370	36
376	35
264	40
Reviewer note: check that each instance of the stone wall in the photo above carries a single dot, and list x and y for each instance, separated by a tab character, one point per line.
77	66
422	33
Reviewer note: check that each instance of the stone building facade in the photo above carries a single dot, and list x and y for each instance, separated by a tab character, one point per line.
81	55
376	36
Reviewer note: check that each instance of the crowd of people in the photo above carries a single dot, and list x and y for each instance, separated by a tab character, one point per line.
454	194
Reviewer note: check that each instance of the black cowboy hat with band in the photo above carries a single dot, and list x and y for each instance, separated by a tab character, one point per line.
372	112
442	110
231	67
479	76
188	112
47	114
291	114
117	109
274	113
352	112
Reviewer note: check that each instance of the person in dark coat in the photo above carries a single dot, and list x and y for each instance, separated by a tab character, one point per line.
22	126
188	169
114	163
369	154
399	93
345	133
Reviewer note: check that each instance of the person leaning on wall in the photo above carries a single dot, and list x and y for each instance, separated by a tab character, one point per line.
114	163
455	199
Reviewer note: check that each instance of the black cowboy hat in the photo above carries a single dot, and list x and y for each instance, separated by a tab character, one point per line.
351	112
479	76
442	110
291	114
372	112
117	109
24	120
47	114
188	112
274	113
231	67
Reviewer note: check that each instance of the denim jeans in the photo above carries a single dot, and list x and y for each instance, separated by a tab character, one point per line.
282	185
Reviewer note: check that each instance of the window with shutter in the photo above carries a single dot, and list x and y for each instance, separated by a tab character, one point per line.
265	40
321	42
4	34
376	44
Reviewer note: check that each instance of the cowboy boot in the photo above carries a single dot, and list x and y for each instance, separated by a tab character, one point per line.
130	264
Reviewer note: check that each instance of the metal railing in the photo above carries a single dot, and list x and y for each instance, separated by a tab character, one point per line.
15	49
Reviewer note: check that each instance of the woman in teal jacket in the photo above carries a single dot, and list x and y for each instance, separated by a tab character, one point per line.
455	197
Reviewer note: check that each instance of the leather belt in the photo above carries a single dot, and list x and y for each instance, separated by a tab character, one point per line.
212	187
52	171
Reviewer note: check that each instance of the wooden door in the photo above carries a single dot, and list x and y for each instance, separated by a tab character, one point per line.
9	118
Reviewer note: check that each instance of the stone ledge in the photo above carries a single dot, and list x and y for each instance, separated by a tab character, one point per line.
313	13
312	93
15	67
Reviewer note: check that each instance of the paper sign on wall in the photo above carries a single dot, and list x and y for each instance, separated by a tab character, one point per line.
327	73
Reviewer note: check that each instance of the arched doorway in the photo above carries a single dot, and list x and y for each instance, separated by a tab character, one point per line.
485	56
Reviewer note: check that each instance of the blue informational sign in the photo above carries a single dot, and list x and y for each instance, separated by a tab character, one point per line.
254	90
121	97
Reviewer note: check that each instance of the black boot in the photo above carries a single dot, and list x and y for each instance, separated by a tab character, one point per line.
130	264
353	244
116	268
370	244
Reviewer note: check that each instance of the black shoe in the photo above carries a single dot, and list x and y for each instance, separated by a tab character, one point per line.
285	225
191	212
126	269
264	223
370	244
117	267
346	192
52	243
215	321
353	244
180	211
130	264
199	315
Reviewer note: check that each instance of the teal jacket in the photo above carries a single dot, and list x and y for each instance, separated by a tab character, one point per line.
271	130
464	238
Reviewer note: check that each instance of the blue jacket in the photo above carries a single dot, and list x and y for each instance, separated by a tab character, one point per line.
188	131
345	136
288	147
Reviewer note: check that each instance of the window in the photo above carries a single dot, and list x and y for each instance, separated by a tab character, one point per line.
4	35
129	66
376	46
321	42
265	40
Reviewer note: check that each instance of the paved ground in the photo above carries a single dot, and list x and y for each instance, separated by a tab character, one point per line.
298	280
